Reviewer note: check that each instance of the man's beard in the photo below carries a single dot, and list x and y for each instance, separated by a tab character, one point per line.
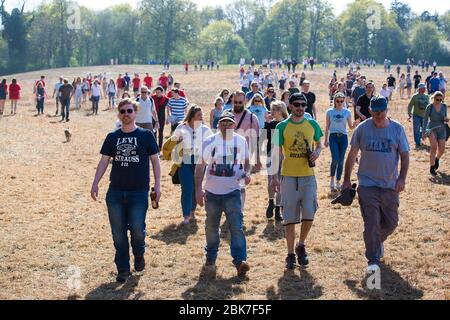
238	109
298	113
127	120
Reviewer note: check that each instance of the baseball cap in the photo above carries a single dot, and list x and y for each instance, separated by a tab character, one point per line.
378	103
159	88
422	86
227	115
297	96
346	196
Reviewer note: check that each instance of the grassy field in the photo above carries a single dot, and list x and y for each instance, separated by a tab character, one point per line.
56	242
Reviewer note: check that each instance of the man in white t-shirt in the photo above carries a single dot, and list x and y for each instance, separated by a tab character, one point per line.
56	92
226	156
147	111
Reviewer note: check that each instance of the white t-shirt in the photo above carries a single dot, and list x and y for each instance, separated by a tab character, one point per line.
144	114
192	139
57	86
226	160
385	92
95	90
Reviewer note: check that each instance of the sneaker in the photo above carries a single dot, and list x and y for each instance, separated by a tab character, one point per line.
186	220
139	264
270	208
338	185
122	277
290	261
242	268
332	186
433	170
372	268
302	256
436	163
278	217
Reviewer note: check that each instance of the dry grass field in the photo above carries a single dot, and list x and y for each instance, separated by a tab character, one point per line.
53	233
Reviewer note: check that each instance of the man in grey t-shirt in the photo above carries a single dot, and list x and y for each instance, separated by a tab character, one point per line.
382	142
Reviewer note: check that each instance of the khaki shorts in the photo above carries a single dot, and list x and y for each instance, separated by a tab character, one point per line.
298	199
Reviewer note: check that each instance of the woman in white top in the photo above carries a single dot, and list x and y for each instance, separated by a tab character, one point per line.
402	85
78	93
96	92
385	92
191	133
111	91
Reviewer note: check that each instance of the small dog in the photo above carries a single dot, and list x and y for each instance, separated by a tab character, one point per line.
68	134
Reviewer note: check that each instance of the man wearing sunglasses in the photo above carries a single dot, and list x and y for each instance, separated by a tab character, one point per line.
226	156
293	139
146	113
382	142
131	149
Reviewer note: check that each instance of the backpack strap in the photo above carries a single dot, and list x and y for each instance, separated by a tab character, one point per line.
242	119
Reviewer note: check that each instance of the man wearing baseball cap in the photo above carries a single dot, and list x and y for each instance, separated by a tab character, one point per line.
294	139
416	109
382	142
227	161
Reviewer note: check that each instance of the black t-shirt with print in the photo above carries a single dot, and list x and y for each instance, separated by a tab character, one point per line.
391	81
130	153
364	103
311	99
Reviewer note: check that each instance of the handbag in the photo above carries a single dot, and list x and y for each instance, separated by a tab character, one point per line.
447	129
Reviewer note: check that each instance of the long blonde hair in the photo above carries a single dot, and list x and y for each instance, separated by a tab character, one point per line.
281	106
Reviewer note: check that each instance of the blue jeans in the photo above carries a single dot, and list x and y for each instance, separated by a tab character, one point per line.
95	100
111	99
230	204
65	108
127	211
338	146
188	201
417	128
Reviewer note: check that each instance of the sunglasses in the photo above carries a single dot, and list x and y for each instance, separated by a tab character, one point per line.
238	102
142	92
257	101
299	104
339	101
226	123
122	111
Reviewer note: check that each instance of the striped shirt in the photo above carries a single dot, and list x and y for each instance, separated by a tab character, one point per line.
178	107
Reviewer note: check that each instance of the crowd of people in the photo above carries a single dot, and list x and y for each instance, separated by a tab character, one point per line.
268	125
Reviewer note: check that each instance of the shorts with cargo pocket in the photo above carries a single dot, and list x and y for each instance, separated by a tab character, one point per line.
298	199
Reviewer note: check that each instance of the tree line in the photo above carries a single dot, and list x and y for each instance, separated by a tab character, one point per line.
178	31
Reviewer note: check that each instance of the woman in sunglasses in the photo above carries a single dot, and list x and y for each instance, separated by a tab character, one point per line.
338	117
434	127
257	106
270	97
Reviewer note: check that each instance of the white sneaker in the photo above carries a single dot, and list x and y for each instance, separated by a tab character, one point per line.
371	269
332	186
338	185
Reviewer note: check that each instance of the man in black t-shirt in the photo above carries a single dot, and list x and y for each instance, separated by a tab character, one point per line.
417	78
130	148
391	85
363	103
310	98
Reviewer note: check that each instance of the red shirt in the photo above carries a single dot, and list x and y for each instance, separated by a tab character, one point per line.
136	83
148	81
14	91
180	92
160	103
120	83
164	81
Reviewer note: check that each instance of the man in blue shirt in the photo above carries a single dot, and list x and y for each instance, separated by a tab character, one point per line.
433	83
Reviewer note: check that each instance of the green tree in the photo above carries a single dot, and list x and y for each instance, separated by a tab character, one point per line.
15	32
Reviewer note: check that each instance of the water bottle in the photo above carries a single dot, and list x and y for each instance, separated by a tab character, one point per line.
153	199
